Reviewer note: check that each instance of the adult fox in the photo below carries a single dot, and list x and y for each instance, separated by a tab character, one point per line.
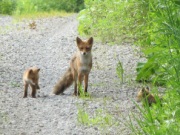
80	67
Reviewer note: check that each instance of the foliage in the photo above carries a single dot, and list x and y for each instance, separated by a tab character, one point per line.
82	93
120	71
151	72
32	6
162	67
7	6
100	118
163	50
37	15
113	21
155	25
161	118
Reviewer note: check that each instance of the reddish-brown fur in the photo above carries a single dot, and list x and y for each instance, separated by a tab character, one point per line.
31	77
144	93
80	67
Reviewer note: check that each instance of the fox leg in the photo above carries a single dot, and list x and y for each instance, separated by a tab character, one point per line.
33	93
86	82
75	82
25	90
75	87
76	92
37	86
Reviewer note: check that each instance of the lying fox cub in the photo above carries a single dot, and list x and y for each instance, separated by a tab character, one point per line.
144	93
31	77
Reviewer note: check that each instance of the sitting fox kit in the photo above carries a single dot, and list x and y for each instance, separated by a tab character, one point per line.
31	77
143	94
80	67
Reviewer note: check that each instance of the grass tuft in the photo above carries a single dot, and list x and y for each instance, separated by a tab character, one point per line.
37	15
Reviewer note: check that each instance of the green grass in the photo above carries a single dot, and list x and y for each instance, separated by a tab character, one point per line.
99	118
96	119
4	118
120	71
82	93
155	26
18	7
15	84
37	15
157	119
113	21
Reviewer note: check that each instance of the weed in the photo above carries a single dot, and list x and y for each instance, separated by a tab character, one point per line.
155	25
19	7
120	71
15	84
82	93
38	15
100	118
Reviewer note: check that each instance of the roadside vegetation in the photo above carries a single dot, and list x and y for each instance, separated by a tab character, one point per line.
155	27
44	8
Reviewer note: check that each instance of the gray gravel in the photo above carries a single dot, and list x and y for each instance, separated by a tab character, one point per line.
50	47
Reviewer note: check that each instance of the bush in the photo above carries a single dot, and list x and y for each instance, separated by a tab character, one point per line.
113	21
163	43
7	6
31	6
155	25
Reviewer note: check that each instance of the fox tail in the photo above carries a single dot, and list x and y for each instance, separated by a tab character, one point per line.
65	82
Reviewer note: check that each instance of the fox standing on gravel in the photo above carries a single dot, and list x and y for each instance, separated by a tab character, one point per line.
31	77
80	67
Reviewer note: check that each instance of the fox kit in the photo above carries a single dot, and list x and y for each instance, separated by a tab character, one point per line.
80	67
144	93
31	77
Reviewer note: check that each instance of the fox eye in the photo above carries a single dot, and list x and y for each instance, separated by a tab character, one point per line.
88	48
81	48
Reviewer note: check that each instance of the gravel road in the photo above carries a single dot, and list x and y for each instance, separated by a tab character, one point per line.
50	46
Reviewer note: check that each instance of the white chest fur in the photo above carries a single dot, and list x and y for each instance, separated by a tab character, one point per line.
29	81
86	60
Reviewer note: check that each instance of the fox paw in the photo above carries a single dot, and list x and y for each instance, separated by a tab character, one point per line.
33	96
76	94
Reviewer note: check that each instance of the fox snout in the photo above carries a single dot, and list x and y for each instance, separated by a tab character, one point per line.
84	53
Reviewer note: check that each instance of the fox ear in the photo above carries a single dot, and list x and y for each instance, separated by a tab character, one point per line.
90	40
143	89
147	88
30	71
78	40
38	69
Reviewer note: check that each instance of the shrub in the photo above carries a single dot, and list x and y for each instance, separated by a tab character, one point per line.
155	25
31	6
7	6
113	21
